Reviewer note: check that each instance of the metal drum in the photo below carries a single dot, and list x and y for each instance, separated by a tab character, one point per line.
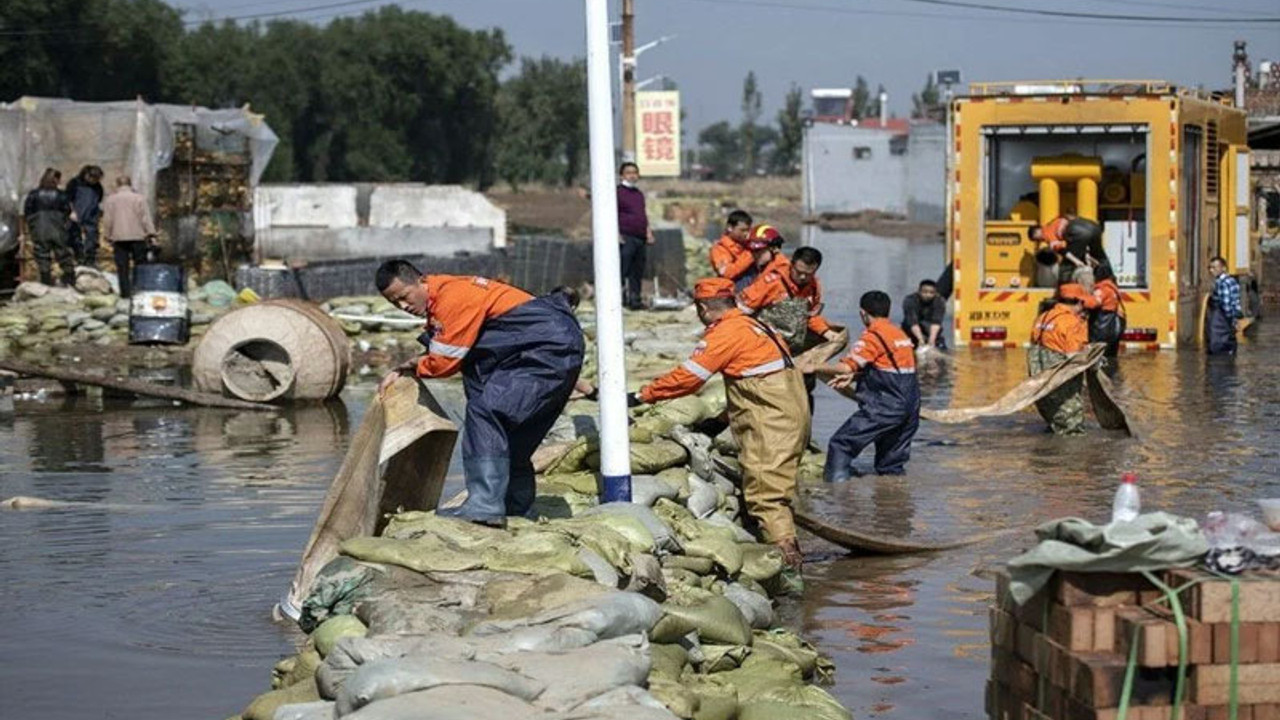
158	312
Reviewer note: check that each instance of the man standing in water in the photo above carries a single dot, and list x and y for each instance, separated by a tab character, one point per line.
1224	309
520	357
1059	333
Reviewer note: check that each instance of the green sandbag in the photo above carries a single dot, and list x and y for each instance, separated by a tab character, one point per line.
536	553
722	658
723	550
460	533
584	481
295	668
656	425
526	596
786	646
715	702
425	554
628	527
760	562
715	618
686	411
680	701
563	504
667	661
338	587
614	547
264	706
784	703
649	458
675	575
574	460
726	443
678	478
334	629
757	676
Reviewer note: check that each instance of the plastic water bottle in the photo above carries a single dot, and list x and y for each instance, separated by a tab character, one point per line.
1126	505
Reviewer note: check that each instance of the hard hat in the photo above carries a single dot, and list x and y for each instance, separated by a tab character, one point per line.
710	288
763	236
1073	292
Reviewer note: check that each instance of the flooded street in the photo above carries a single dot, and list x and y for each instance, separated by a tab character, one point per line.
151	600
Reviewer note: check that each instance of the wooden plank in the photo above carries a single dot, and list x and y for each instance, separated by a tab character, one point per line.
135	387
1075	589
1071	627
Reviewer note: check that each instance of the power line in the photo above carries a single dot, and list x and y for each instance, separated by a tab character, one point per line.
1092	16
73	29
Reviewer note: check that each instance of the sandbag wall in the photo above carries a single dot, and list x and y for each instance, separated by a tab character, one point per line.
655	609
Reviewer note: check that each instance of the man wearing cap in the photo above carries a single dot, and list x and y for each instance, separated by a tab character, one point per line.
730	257
767	411
519	356
1060	332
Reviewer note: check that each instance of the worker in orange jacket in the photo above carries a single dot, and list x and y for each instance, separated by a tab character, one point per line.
519	356
785	279
1059	333
767	412
1107	319
888	395
730	257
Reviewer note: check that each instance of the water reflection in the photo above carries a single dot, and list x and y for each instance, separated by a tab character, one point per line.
909	635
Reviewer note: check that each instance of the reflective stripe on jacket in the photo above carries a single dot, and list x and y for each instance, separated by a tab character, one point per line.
735	345
458	307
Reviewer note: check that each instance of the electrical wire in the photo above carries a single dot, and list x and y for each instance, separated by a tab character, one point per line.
1092	16
73	29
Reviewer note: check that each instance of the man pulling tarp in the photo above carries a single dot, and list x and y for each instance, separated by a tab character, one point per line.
519	356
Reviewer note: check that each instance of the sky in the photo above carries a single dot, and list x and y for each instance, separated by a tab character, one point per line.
828	43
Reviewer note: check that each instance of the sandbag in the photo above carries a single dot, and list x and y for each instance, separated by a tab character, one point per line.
785	703
715	618
295	668
758	676
606	616
449	702
426	553
668	660
664	540
350	653
760	562
336	589
757	609
784	645
722	658
460	533
574	677
695	565
319	710
334	629
585	482
648	458
740	534
703	498
384	679
528	595
647	489
264	706
678	700
684	411
625	703
410	611
715	702
536	552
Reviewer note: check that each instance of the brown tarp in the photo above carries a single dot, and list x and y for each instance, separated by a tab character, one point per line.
1108	412
398	459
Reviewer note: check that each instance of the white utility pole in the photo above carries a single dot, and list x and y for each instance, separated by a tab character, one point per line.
615	447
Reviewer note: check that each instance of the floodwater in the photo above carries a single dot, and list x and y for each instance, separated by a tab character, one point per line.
151	599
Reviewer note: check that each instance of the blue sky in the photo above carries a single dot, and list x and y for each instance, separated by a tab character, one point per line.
827	43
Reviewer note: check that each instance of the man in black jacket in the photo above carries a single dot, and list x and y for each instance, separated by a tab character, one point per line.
85	193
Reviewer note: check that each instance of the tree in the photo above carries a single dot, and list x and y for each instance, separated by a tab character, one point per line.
751	101
927	104
720	150
785	159
880	93
861	99
542	135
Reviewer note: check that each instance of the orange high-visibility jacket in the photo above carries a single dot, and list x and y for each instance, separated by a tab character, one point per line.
1054	233
775	285
457	308
882	346
1060	329
735	345
729	258
1106	295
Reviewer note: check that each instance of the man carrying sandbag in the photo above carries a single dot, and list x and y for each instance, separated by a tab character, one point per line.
1059	333
767	410
520	357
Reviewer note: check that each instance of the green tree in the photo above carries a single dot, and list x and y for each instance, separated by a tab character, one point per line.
720	150
542	112
751	101
928	102
861	99
785	159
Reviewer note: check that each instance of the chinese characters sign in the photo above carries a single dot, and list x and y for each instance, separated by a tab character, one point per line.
658	133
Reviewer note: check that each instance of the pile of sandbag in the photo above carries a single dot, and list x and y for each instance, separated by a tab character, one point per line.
658	608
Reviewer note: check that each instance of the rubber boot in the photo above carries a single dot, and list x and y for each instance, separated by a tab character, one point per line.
792	578
486	479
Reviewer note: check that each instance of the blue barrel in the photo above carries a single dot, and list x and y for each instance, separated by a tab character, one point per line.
158	313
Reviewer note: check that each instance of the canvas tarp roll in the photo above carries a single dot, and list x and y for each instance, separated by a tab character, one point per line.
1109	413
397	460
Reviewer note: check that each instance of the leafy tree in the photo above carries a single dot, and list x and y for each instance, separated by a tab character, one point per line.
785	159
751	101
861	99
542	112
928	102
720	150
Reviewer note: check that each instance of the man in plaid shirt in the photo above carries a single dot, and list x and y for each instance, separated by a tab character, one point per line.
1224	309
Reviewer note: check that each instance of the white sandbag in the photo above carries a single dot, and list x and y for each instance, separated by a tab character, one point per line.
607	616
450	702
577	676
305	711
756	608
604	573
703	498
384	679
624	703
646	489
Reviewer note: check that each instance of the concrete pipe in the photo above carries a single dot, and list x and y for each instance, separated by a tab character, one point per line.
273	351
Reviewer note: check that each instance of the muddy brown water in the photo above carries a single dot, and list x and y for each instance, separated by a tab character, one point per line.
151	600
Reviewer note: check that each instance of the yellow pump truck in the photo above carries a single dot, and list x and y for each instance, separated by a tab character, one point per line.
1164	171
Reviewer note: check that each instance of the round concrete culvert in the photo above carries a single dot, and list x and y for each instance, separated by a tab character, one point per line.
257	370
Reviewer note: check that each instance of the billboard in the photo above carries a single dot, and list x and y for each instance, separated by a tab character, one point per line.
658	133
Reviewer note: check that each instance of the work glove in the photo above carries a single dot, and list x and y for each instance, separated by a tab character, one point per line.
634	400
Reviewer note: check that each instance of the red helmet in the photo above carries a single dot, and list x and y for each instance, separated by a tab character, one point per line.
764	236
